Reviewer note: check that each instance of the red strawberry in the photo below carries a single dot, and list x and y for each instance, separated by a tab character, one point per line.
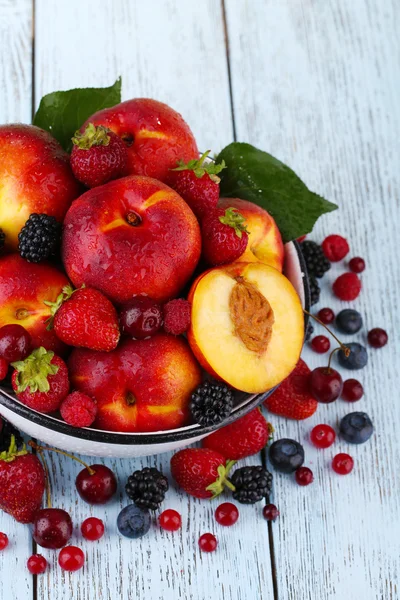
98	155
244	437
224	236
85	318
197	183
201	472
22	483
41	380
293	399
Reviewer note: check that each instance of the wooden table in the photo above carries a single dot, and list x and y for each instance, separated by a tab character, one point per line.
315	82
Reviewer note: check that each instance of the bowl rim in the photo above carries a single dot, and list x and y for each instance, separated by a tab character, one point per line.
157	437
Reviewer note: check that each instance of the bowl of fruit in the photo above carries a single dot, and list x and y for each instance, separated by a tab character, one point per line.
147	295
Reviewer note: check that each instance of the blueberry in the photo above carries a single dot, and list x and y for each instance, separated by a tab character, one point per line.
357	359
286	455
133	522
356	428
349	321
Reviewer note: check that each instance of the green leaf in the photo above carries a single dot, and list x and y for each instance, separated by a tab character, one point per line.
62	113
254	175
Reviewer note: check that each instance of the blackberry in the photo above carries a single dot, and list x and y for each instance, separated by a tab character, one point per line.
252	484
211	403
309	332
147	488
39	238
2	239
316	261
6	431
315	290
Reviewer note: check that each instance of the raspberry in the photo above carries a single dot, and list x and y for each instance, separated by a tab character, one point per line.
177	316
335	247
347	286
78	410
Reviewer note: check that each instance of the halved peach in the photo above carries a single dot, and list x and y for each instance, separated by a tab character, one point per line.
247	325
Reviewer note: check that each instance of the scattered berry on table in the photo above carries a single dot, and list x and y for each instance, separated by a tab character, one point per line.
270	512
92	529
352	390
177	316
335	247
357	359
377	337
133	521
251	484
315	290
316	262
78	409
349	321
141	317
36	564
286	455
226	514
39	238
326	315
322	436
98	155
320	344
304	476
211	403
224	236
52	528
200	472
71	558
325	384
15	343
342	464
7	431
2	239
3	541
356	428
309	332
208	542
357	264
96	487
3	368
170	520
347	286
292	399
147	488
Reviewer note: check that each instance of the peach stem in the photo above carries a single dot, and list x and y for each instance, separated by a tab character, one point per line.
345	349
39	448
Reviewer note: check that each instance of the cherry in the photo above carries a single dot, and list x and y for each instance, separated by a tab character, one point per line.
352	390
304	476
92	529
208	542
3	541
377	338
342	464
15	343
322	436
357	264
71	558
52	528
170	520
142	317
96	484
325	384
270	512
320	344
3	368
326	316
36	564
226	514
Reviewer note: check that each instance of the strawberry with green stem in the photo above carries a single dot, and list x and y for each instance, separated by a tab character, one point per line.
224	236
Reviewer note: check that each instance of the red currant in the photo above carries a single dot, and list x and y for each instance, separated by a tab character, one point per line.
326	315
3	541
342	464
335	247
352	390
322	436
170	520
320	344
270	512
141	318
325	384
377	338
208	542
3	368
92	529
98	487
71	558
304	476
357	264
226	514
36	564
15	343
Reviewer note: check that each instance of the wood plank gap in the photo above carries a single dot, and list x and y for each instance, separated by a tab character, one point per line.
228	64
271	537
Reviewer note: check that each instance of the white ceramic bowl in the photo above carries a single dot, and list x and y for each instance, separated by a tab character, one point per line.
95	442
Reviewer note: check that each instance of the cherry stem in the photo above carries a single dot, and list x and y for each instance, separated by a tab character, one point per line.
41	448
330	357
46	471
344	348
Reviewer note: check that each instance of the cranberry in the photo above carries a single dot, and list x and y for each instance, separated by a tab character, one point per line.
71	558
36	564
15	343
208	542
52	528
325	384
270	512
320	344
304	476
3	368
170	520
3	541
141	318
377	338
326	315
92	529
226	514
352	390
357	264
342	464
98	487
322	436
